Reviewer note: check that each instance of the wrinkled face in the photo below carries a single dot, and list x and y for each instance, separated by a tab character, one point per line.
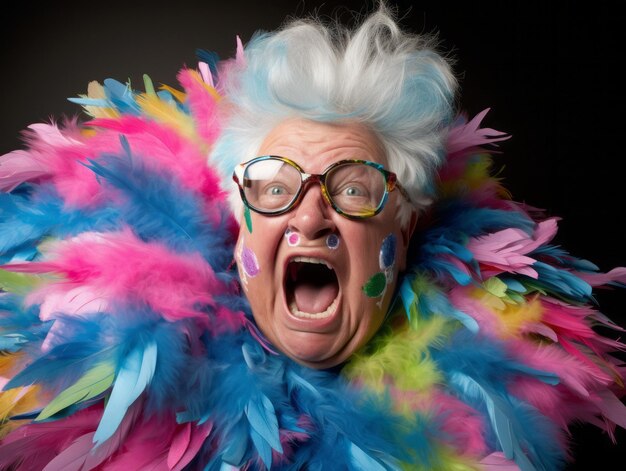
319	298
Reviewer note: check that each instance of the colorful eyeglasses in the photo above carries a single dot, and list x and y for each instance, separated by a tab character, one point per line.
356	189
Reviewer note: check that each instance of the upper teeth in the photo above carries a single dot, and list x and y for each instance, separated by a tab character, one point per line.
312	260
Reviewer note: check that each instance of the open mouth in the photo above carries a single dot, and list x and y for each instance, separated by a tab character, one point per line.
311	287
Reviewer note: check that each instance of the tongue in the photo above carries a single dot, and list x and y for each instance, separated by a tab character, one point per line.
312	298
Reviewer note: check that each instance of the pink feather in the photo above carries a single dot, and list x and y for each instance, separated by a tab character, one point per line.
146	447
20	166
52	136
63	151
205	72
462	425
72	458
575	323
239	54
59	153
489	323
186	443
505	251
201	104
37	444
597	279
119	266
470	136
161	147
498	462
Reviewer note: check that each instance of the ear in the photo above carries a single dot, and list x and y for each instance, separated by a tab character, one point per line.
406	231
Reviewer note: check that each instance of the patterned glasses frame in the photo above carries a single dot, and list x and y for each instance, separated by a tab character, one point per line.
391	184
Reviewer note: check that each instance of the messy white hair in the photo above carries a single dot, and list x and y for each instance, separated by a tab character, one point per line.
392	81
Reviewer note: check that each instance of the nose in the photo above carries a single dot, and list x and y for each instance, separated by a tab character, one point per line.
312	218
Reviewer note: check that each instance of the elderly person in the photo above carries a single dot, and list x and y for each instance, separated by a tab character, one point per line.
390	308
336	137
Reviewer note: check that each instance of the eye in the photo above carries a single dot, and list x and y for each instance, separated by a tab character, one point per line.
276	190
353	191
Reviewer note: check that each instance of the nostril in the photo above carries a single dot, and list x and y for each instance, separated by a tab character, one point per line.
312	218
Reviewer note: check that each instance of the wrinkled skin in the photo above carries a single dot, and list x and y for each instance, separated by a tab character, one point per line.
329	341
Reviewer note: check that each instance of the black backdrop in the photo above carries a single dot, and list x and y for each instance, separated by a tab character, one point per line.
548	71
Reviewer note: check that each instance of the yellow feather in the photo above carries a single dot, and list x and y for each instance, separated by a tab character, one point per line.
512	317
9	362
399	358
447	460
96	91
14	402
180	96
167	113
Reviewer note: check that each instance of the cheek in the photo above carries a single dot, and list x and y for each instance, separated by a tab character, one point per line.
247	262
255	252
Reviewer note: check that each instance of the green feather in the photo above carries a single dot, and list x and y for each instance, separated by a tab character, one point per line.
496	286
149	86
246	213
375	285
18	283
94	382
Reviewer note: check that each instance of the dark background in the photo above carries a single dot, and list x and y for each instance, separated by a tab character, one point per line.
548	71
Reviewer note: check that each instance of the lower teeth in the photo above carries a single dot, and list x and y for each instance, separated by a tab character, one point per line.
330	310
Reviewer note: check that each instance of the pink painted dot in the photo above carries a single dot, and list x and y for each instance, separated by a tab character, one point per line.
293	239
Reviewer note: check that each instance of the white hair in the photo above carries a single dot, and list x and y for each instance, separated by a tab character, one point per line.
393	82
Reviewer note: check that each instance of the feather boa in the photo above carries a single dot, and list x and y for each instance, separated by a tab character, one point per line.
127	343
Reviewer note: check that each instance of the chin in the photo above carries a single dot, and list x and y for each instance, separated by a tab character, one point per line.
308	349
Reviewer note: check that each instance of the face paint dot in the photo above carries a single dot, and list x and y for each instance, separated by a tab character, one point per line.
249	261
387	252
375	286
332	241
293	239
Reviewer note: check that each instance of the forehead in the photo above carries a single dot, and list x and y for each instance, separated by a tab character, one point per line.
315	144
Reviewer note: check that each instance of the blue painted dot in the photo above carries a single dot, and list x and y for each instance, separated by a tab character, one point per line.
332	241
387	252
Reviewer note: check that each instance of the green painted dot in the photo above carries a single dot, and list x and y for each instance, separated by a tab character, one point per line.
375	285
248	217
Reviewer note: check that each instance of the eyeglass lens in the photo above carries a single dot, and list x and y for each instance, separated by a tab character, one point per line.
272	185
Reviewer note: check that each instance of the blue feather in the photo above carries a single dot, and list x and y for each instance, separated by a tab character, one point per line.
297	382
236	448
501	415
263	427
12	342
561	282
100	102
435	302
513	284
211	58
134	376
61	366
121	96
163	210
407	296
28	219
478	369
263	448
167	97
23	223
362	461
